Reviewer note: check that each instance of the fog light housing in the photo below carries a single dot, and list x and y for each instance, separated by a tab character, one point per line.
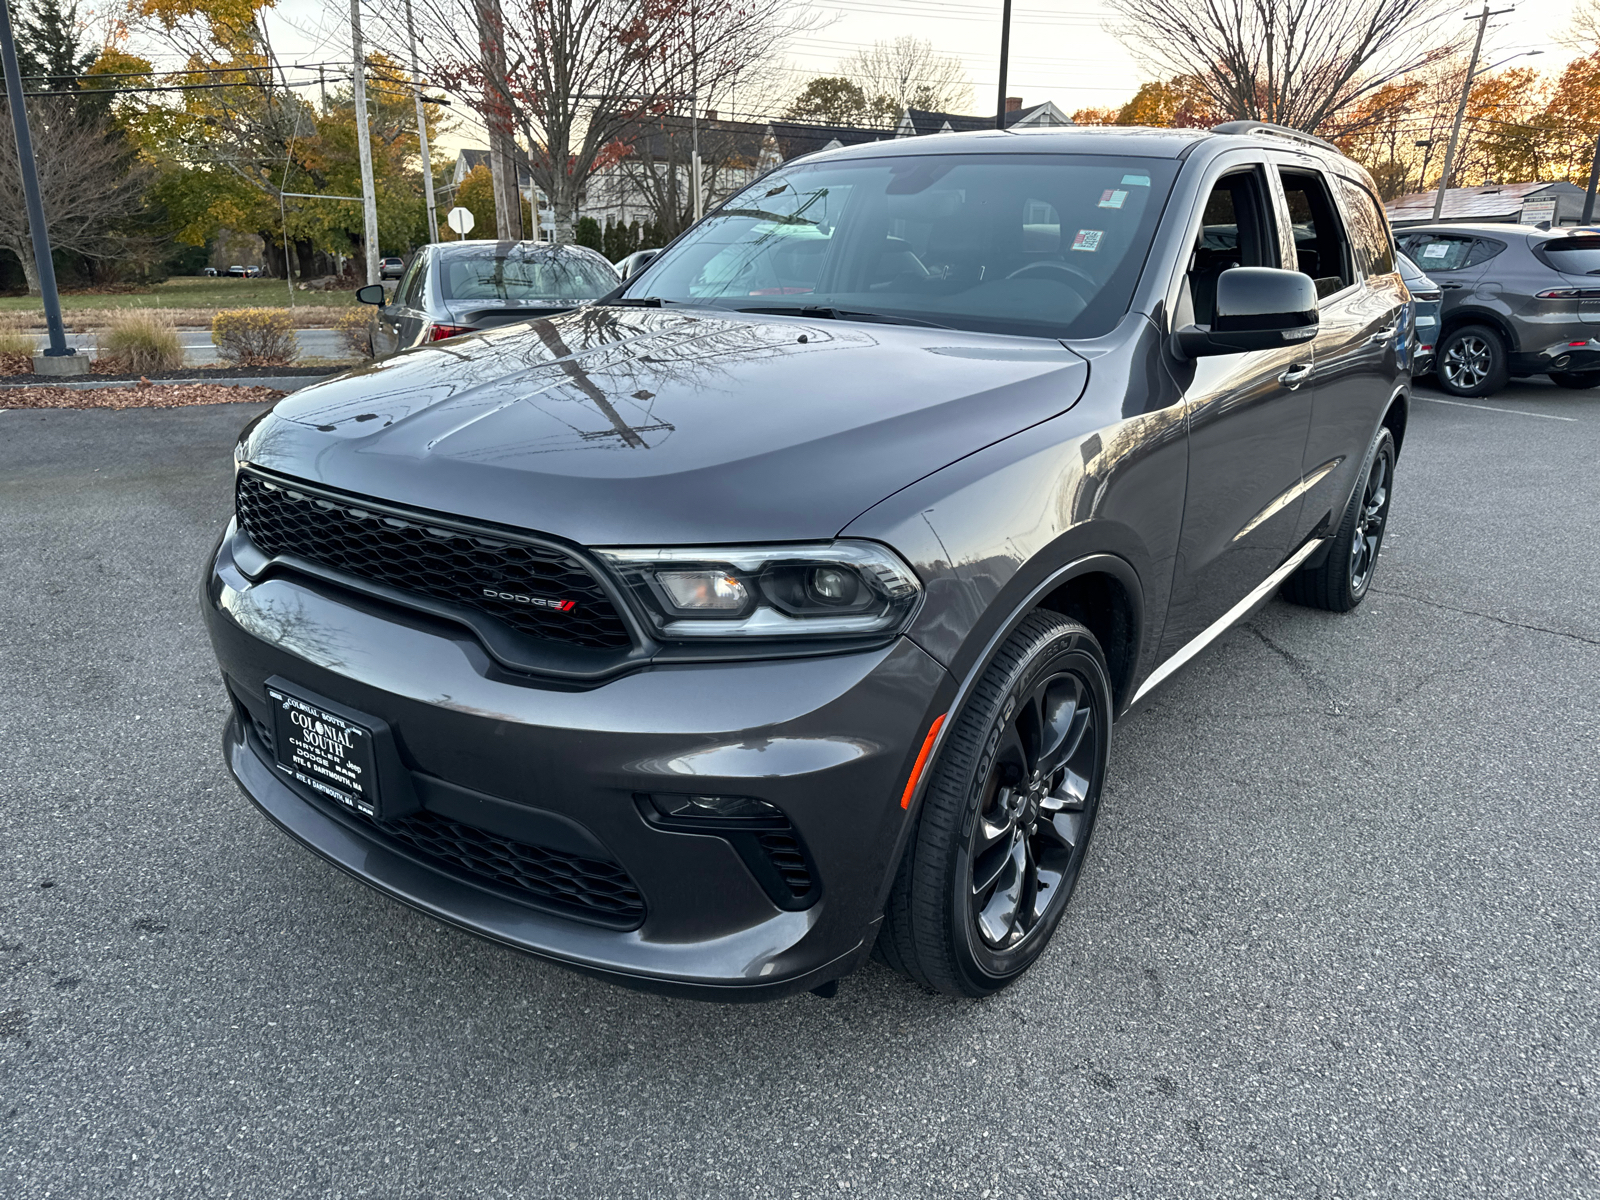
715	808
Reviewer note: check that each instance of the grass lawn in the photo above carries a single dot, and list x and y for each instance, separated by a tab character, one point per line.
189	291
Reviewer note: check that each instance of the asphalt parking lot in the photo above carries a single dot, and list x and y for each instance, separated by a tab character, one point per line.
1339	933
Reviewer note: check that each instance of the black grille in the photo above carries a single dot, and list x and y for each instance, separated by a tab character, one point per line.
783	849
587	885
446	564
583	883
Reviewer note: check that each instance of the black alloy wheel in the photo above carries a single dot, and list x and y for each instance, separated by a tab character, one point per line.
1341	578
1005	825
1577	380
1471	361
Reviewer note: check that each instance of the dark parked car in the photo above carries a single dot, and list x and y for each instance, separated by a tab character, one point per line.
390	268
1518	301
634	263
781	606
451	288
1425	303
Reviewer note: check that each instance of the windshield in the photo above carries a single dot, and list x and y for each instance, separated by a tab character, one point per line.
1048	245
524	275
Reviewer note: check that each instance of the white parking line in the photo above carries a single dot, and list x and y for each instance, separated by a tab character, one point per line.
1516	412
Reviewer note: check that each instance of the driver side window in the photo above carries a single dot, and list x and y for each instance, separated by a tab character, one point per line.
1236	230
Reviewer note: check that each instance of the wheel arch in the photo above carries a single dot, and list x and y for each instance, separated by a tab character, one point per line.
1105	602
1395	418
1477	316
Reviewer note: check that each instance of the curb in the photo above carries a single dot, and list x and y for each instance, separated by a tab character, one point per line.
282	383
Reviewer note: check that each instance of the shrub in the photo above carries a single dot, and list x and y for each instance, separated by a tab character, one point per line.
143	340
255	337
17	348
354	327
587	233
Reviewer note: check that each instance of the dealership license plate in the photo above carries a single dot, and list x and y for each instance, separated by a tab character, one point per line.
324	752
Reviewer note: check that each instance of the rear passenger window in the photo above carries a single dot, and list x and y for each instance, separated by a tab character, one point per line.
1483	250
1320	244
1369	230
1438	251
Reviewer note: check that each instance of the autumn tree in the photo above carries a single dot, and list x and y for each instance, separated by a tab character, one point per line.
1180	102
835	100
1300	63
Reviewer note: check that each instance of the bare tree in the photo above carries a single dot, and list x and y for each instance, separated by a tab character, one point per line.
88	181
575	78
906	73
1294	62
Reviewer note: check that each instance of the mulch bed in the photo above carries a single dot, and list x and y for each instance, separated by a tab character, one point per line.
18	368
145	395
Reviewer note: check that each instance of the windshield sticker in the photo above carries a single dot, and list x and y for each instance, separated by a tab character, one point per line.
1136	181
1112	199
1088	239
1436	250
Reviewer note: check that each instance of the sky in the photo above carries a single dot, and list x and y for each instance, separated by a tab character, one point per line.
1060	51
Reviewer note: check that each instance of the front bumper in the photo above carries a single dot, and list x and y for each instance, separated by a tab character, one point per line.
829	740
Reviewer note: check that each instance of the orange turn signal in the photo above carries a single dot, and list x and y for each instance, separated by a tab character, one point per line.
922	759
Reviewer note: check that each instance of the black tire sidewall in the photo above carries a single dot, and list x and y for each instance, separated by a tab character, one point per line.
1383	443
1499	372
1068	647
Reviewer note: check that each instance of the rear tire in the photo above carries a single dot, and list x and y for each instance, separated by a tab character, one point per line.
1576	380
1341	580
1005	824
1471	361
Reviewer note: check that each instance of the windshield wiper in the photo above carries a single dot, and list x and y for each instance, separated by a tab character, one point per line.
824	312
637	302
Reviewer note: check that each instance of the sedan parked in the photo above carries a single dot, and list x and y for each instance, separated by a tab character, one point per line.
451	288
1518	301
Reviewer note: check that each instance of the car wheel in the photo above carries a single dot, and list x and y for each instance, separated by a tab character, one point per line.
1575	379
1471	361
1005	824
1340	581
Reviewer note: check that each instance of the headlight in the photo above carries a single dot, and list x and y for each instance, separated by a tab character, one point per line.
841	589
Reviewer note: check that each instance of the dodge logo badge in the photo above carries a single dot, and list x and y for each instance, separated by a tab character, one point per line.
535	601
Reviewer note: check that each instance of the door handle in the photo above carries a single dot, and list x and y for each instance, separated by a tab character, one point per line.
1383	335
1296	375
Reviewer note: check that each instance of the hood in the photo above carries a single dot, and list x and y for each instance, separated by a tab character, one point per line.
611	426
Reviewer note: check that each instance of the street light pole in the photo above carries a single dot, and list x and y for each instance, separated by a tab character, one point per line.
1461	108
422	130
44	266
1005	58
369	195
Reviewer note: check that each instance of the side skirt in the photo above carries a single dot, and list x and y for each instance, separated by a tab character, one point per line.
1226	621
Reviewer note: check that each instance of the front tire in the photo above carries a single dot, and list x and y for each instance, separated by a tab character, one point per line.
1471	361
1340	581
1576	380
1005	824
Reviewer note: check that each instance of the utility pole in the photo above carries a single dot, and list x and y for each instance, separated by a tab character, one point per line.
369	195
1461	109
1005	58
1594	180
44	266
497	116
422	129
699	206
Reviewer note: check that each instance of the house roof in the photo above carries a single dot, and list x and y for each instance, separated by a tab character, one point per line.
468	161
918	121
795	138
1494	200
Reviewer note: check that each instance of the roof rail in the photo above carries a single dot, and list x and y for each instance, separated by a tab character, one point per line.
1282	131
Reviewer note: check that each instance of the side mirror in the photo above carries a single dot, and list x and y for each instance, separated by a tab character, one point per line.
371	294
1258	308
640	261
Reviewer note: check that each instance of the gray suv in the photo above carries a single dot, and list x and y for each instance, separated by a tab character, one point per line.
1518	301
781	606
